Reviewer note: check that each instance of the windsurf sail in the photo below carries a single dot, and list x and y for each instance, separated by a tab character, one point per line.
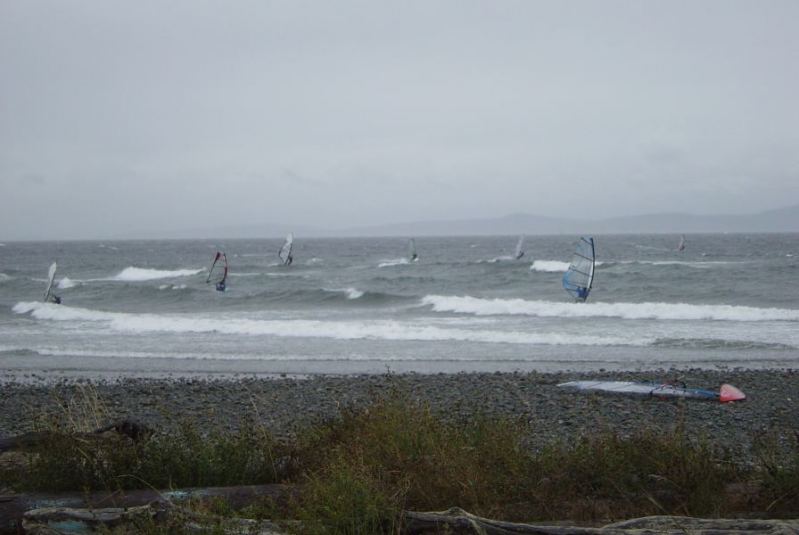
412	256
725	394
681	245
50	279
580	276
218	271
285	251
519	252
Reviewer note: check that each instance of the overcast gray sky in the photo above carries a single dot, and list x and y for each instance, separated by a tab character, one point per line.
118	115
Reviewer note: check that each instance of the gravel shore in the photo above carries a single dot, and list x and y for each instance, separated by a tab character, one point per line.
287	404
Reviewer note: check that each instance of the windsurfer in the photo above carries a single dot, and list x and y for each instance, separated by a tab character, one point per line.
220	286
53	298
582	293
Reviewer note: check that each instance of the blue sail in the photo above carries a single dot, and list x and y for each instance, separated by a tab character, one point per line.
578	278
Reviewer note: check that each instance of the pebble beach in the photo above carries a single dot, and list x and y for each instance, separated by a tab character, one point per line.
288	404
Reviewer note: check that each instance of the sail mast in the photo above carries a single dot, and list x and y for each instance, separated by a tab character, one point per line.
50	279
579	278
519	253
285	251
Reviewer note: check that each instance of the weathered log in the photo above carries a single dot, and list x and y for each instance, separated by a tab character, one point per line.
458	521
164	514
13	507
133	430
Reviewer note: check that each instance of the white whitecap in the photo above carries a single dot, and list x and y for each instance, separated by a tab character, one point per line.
395	262
549	266
137	274
340	330
66	282
351	293
633	311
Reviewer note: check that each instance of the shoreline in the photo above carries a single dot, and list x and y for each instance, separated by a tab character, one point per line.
288	404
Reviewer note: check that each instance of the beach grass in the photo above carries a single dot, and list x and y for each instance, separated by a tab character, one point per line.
358	471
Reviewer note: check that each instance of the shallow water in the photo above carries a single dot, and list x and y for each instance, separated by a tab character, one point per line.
358	305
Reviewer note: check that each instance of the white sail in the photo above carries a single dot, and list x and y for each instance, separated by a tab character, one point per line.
412	256
519	252
580	276
218	270
285	251
50	279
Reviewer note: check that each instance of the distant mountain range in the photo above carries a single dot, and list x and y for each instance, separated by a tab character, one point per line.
780	220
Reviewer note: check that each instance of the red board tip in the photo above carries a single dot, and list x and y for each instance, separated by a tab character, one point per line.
729	393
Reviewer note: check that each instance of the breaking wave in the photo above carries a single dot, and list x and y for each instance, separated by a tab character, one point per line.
395	262
634	311
66	282
351	293
172	287
136	274
341	330
550	266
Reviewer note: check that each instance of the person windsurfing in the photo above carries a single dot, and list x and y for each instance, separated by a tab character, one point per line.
49	296
579	278
681	245
413	257
223	266
285	252
519	251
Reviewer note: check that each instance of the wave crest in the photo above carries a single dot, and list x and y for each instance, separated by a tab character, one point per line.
66	283
395	262
634	311
341	330
137	274
549	266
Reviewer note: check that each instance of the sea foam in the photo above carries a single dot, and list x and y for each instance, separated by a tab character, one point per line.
395	262
136	274
340	330
351	293
549	266
634	311
66	282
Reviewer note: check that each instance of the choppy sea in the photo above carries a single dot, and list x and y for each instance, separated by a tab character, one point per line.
358	305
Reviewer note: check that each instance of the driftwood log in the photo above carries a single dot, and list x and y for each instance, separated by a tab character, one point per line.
133	430
164	514
14	507
458	521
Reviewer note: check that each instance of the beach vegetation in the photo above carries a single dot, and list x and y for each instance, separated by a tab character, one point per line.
357	472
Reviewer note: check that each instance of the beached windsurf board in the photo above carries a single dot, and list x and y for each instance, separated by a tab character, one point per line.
725	394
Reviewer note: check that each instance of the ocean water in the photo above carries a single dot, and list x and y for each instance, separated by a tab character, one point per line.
358	306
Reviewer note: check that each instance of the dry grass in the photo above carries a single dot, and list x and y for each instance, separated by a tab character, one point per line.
360	470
